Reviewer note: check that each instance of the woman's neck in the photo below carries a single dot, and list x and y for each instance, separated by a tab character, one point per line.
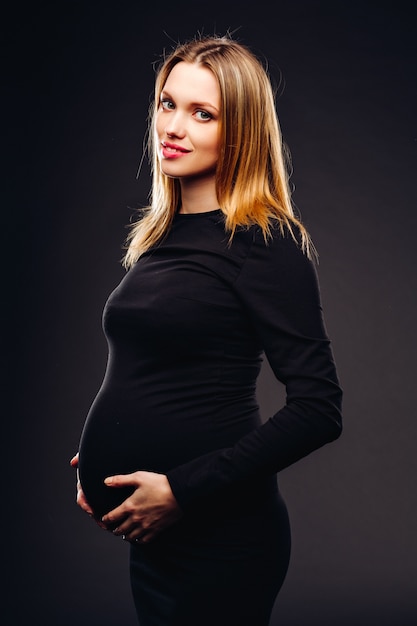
198	196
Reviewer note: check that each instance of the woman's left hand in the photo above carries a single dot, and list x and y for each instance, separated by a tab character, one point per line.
150	509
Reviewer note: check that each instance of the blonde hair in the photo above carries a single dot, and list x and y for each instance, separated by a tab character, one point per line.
252	172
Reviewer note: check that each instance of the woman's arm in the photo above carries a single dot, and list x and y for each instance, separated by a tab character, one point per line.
279	291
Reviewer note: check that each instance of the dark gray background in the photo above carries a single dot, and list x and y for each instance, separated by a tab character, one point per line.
78	77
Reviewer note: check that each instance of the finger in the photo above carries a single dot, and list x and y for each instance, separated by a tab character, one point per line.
143	538
74	461
100	523
127	527
115	517
137	536
82	500
83	504
122	480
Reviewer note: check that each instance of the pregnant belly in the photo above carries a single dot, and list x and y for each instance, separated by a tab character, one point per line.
103	452
119	438
125	433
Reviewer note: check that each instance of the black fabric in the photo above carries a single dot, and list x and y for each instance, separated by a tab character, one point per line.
187	328
217	569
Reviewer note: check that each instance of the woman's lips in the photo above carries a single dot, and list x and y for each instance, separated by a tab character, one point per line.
172	150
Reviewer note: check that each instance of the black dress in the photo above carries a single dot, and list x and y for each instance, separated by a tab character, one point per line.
186	329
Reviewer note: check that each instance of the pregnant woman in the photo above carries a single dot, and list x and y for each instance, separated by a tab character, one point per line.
174	456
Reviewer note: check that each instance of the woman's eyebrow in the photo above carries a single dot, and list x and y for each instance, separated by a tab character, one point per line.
166	94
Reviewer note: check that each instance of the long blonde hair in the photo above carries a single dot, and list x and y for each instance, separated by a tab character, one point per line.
252	172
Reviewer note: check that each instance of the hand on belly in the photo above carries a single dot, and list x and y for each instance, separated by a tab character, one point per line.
149	510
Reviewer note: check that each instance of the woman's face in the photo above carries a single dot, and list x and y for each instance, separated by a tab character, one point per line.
187	123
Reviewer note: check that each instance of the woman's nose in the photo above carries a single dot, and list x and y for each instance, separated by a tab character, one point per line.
175	126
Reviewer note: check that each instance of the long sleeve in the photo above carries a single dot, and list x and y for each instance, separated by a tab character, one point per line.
278	289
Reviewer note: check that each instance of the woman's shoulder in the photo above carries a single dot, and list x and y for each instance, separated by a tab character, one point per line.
281	241
277	262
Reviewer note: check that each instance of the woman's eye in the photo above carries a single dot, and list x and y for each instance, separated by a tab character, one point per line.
167	104
203	116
